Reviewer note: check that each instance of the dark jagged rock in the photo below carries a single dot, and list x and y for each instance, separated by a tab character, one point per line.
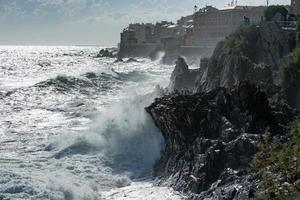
119	60
211	138
256	60
227	67
273	44
131	60
213	131
107	53
250	54
182	77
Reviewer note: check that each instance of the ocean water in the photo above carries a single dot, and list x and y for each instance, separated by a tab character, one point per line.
73	126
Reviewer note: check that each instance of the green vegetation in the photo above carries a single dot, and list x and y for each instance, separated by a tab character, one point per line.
292	41
245	40
271	11
290	77
279	167
298	35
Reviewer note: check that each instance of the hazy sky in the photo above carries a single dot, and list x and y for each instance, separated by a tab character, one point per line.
83	22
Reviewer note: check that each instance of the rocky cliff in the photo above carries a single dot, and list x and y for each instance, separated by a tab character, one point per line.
251	53
228	66
213	130
211	138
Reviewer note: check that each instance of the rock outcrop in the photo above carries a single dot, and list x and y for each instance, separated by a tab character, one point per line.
211	138
213	130
229	66
182	77
249	54
107	53
272	45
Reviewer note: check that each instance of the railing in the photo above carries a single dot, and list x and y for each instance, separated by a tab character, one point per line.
284	25
288	25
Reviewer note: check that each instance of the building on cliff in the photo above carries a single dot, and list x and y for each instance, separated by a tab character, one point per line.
295	7
137	40
128	37
191	36
143	39
212	25
163	30
186	30
138	33
184	23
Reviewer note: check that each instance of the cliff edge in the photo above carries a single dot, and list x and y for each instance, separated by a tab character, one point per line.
212	137
250	54
213	131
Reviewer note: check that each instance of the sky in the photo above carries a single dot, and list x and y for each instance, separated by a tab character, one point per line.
90	22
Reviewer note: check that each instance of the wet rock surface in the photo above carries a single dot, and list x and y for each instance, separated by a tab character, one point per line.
107	53
182	77
211	138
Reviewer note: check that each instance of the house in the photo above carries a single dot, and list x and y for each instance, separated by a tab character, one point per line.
212	25
164	30
143	32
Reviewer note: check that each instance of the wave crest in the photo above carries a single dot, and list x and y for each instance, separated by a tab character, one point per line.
124	136
91	81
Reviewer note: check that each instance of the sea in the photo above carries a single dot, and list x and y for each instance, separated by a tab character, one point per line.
73	126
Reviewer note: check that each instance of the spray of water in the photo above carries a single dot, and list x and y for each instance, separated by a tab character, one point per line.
159	56
124	135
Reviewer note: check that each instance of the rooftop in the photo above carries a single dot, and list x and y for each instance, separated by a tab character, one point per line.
172	26
237	7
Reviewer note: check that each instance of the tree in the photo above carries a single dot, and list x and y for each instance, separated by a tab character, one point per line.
245	40
271	11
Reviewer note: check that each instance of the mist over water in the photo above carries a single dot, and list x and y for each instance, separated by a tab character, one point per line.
123	134
74	126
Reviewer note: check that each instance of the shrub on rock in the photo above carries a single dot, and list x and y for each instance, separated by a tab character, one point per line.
290	78
271	11
279	166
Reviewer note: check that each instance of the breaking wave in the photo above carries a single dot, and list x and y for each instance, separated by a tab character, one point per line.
124	136
91	81
134	76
